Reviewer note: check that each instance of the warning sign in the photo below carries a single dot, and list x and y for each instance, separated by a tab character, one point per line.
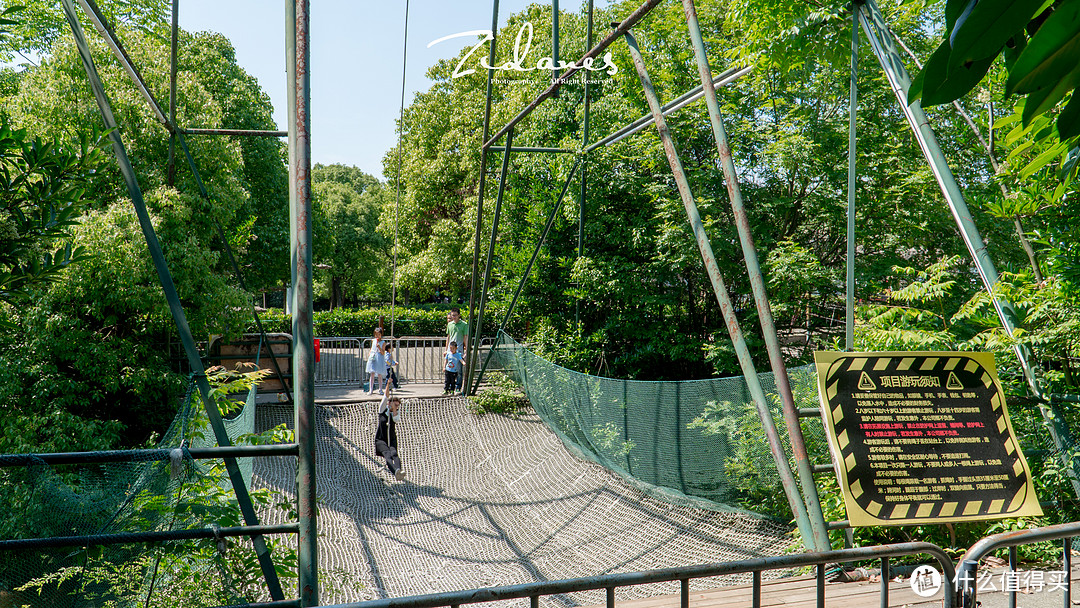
922	437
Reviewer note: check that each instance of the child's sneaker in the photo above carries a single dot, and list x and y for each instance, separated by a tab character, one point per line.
400	474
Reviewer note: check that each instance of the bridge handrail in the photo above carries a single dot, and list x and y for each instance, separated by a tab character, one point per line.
969	563
682	574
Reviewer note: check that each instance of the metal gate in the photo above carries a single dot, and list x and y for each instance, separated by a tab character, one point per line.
341	361
419	358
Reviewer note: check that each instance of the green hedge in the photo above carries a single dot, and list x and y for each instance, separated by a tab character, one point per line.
347	322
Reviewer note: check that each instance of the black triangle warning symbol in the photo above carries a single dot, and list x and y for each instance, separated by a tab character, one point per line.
953	383
866	384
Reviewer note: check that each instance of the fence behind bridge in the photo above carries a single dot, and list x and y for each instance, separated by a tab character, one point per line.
343	360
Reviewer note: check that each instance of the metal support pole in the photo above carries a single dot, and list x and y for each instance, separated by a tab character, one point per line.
883	596
584	162
1066	566
98	540
98	19
147	455
849	315
820	540
791	488
877	32
473	345
238	132
528	267
555	38
171	171
542	149
167	285
475	342
303	332
726	77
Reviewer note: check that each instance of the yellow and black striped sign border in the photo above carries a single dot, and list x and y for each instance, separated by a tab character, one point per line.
875	513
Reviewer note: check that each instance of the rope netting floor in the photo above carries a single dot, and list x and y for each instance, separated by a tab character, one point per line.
488	501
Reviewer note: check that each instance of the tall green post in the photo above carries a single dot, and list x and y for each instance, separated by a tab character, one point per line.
298	61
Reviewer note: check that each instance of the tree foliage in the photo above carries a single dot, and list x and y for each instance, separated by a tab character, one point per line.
639	287
354	257
42	193
91	351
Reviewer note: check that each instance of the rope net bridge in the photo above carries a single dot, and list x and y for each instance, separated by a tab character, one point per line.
604	476
493	500
489	500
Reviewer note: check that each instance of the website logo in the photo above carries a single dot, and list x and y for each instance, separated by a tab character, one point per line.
925	581
520	61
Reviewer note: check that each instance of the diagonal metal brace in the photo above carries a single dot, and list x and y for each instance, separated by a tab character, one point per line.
134	191
791	487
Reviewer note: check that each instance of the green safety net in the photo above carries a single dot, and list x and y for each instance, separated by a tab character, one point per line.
701	442
130	497
697	442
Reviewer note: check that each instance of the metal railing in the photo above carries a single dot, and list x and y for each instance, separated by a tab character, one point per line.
343	360
419	358
610	582
967	577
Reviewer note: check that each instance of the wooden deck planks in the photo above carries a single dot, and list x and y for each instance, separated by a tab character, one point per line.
793	592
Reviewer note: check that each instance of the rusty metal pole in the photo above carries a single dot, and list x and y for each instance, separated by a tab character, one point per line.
303	332
757	282
171	171
791	487
849	310
584	161
555	39
473	345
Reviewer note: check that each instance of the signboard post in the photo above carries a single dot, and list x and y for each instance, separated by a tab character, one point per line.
922	437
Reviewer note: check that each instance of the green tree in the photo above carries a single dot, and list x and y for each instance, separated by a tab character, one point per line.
246	177
356	255
42	193
91	351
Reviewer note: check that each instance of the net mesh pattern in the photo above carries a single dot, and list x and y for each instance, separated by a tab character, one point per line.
493	500
696	442
129	497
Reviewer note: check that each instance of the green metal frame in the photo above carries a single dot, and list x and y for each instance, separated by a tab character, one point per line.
300	210
808	512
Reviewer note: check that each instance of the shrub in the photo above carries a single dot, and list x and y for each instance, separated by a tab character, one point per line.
419	321
503	396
